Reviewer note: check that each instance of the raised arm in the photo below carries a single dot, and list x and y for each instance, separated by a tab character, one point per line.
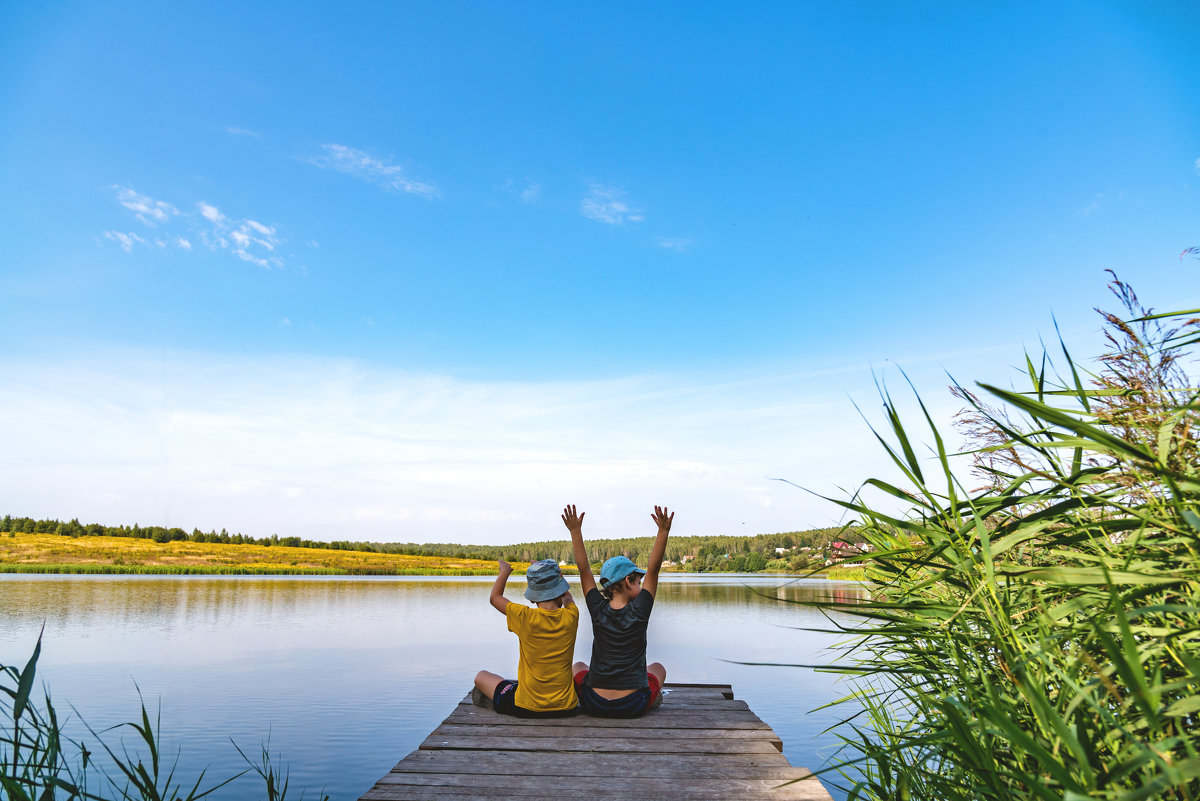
497	597
574	525
663	520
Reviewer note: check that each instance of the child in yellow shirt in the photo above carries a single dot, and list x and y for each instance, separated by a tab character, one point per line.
544	686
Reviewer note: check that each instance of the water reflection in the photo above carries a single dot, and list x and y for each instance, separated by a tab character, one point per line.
349	674
738	590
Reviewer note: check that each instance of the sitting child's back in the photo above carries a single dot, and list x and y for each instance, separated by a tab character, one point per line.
544	686
547	650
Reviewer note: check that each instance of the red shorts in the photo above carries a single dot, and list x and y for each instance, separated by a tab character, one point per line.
630	705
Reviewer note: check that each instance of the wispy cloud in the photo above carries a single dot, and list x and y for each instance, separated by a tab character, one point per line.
1197	165
211	213
372	169
126	241
247	239
243	132
1103	199
607	204
676	243
526	191
146	209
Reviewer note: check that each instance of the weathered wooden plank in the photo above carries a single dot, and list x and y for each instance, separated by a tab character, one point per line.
724	690
660	790
658	719
500	729
765	766
658	745
453	784
515	781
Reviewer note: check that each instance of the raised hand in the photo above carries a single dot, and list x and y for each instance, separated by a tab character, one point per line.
505	568
573	522
662	518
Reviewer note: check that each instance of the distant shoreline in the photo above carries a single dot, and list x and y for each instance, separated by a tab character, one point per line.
50	554
95	569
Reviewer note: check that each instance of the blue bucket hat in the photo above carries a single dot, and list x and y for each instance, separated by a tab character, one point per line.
546	581
616	569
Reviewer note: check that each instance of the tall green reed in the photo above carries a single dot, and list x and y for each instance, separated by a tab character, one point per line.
1038	637
39	762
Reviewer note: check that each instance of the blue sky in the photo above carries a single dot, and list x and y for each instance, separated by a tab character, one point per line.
430	271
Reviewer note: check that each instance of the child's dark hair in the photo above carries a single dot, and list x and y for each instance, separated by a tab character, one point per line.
608	591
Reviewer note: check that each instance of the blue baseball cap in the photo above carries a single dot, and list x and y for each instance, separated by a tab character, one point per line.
546	581
616	569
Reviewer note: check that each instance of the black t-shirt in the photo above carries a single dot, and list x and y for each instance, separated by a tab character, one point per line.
618	642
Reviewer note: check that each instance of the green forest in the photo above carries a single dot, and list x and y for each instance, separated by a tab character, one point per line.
707	553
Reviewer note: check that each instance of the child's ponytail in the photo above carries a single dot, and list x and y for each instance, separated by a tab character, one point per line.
607	592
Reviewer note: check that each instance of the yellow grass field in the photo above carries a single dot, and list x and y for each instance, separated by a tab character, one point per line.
52	553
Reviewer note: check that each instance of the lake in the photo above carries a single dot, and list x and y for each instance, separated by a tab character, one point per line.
347	675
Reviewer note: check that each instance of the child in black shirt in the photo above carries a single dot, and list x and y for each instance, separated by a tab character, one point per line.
619	683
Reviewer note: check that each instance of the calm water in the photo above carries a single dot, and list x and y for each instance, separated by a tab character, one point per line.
347	675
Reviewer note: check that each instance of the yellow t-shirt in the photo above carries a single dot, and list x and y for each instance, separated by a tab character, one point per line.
544	681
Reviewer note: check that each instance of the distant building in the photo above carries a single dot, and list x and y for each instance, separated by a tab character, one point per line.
846	550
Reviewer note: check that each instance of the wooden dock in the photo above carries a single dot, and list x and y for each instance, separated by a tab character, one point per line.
700	744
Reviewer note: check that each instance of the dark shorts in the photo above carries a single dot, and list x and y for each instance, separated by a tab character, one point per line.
630	706
504	701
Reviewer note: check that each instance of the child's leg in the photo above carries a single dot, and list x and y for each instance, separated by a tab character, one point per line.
659	672
486	683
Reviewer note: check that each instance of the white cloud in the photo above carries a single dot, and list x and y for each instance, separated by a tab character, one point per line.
247	239
126	241
243	132
606	204
675	243
333	449
372	169
146	209
211	213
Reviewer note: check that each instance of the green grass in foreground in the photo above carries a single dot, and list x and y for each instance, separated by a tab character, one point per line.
39	762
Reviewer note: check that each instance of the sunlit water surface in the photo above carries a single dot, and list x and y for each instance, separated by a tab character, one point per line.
347	675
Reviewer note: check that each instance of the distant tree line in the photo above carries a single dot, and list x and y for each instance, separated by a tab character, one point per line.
703	553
